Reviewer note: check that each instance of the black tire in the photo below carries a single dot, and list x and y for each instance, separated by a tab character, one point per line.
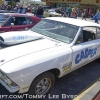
38	79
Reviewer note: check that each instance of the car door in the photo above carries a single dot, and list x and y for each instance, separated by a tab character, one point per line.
15	23
86	47
98	38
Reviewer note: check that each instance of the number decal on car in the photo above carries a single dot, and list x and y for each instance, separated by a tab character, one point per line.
17	38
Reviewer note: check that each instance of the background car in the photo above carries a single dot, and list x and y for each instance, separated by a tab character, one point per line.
55	13
45	7
17	22
7	11
51	13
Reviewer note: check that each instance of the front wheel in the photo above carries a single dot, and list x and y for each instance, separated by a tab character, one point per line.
42	84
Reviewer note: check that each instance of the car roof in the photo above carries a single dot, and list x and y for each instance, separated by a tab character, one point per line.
76	22
18	14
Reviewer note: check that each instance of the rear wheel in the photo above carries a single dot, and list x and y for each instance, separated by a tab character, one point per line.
42	84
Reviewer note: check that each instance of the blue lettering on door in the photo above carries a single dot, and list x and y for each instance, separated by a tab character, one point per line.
85	54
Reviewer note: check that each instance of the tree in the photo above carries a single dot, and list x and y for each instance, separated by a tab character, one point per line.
12	2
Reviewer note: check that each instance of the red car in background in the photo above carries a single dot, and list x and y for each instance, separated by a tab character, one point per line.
17	22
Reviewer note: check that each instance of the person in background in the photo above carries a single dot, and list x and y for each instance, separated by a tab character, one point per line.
34	10
21	9
83	14
2	7
45	14
5	6
66	10
90	13
39	12
74	13
9	7
15	8
96	17
69	11
28	10
77	11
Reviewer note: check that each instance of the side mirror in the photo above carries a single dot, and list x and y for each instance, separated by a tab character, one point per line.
12	24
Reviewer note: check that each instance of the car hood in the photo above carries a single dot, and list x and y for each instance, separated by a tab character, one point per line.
13	52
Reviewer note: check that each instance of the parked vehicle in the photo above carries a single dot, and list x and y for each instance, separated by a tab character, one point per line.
7	11
51	13
52	48
46	7
17	22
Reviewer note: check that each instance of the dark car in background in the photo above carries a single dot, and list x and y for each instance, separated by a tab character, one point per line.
7	11
17	22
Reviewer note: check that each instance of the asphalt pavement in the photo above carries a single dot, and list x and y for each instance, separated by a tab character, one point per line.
91	93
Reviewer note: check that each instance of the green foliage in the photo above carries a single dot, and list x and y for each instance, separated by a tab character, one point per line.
12	3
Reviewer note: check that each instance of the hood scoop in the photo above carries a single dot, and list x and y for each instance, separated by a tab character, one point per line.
11	38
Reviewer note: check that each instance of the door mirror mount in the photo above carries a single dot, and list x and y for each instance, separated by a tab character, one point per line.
12	24
79	40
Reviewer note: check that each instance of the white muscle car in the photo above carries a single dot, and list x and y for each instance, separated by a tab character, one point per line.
30	60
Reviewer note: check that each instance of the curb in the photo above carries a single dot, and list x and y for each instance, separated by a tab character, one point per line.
90	91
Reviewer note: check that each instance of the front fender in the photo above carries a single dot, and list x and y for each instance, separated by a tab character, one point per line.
25	69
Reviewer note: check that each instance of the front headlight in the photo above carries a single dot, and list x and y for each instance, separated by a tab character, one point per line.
5	79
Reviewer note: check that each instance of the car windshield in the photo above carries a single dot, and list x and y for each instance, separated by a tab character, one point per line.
3	18
57	30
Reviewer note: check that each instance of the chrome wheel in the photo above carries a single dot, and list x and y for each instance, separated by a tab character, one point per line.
43	86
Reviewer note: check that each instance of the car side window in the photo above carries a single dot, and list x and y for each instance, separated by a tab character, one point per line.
9	22
98	33
29	20
16	21
20	21
88	34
